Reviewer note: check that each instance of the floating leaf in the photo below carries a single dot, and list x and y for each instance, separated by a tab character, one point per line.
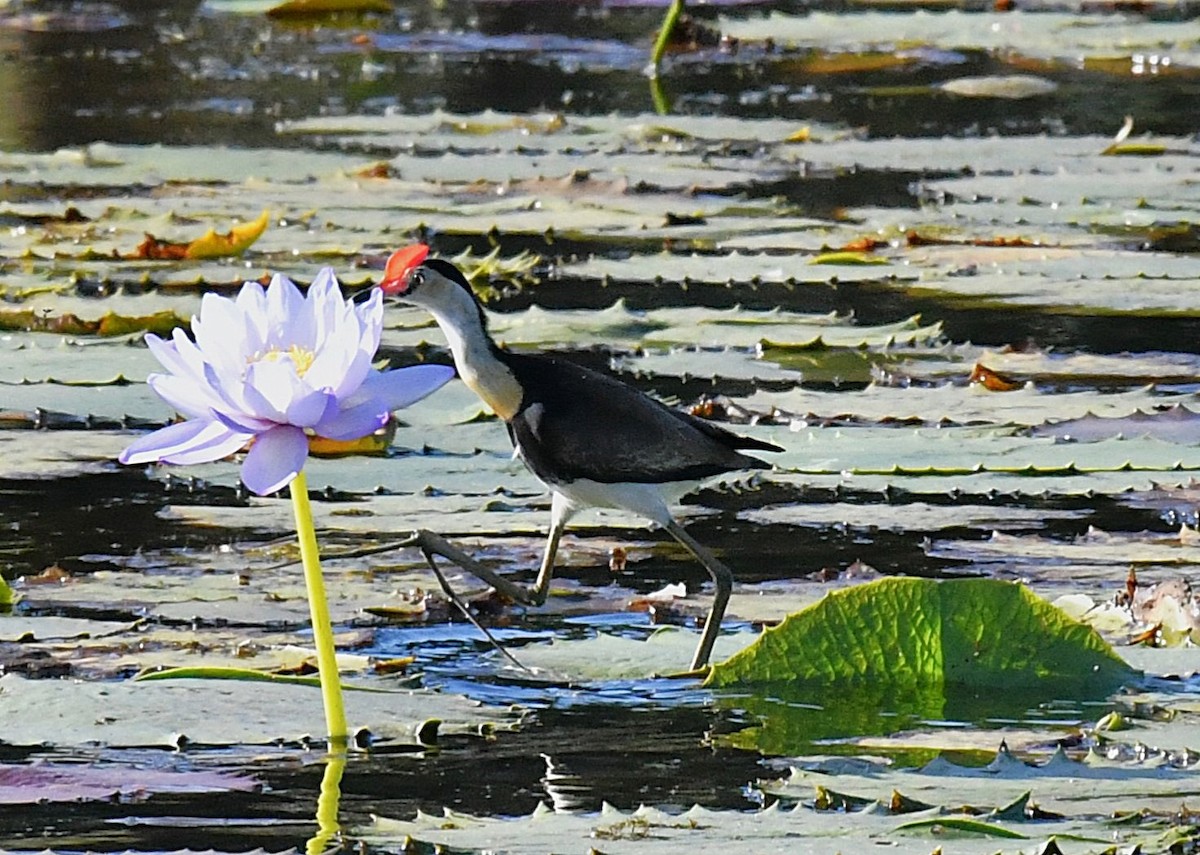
304	8
915	238
1001	787
252	675
1135	150
1119	147
962	824
1176	424
848	258
1011	86
211	245
922	632
214	712
850	62
111	324
993	381
652	831
42	783
233	242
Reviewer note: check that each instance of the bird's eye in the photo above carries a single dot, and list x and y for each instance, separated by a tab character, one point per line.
418	278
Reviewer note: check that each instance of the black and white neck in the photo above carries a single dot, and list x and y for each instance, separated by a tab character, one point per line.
439	288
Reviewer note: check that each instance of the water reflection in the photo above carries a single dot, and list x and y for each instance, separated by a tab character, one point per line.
328	802
795	720
178	72
65	76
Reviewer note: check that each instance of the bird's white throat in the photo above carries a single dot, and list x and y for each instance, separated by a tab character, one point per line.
484	374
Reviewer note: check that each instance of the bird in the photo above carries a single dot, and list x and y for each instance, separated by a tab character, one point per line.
593	440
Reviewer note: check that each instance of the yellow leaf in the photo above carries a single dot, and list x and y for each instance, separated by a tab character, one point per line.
371	444
1134	150
234	242
300	8
852	258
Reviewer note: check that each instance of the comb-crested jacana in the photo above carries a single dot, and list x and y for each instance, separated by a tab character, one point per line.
594	441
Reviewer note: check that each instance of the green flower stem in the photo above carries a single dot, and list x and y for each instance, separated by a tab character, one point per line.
664	34
327	805
662	104
331	685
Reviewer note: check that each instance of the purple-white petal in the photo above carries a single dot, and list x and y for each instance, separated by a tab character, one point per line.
288	320
193	441
273	381
167	354
335	366
252	299
354	422
252	303
404	386
183	394
310	408
189	354
178	356
325	302
241	422
218	447
276	457
370	319
220	333
229	392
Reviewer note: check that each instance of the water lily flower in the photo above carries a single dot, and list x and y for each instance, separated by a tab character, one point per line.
270	368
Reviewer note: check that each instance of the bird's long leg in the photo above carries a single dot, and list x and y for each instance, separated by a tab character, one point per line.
431	543
560	512
462	607
722	577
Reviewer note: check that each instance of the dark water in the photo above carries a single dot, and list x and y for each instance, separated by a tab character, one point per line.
181	72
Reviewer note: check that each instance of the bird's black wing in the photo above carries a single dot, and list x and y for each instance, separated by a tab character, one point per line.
576	423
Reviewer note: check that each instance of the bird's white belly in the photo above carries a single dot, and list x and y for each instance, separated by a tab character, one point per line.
648	500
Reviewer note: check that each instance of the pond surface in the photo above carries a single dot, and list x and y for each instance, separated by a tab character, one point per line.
897	239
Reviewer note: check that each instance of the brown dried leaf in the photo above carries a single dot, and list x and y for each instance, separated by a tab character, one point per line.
993	381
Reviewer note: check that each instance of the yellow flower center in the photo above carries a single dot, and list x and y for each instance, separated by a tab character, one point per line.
301	357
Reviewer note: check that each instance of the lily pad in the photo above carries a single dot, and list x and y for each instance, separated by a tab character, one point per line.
42	783
221	713
920	632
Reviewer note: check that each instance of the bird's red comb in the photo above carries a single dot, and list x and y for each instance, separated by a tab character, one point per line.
399	265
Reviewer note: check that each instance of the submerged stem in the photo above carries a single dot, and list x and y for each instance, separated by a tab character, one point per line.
331	686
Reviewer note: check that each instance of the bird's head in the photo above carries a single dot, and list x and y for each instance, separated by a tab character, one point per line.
433	284
411	270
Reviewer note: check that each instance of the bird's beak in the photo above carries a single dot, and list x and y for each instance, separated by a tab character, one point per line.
399	266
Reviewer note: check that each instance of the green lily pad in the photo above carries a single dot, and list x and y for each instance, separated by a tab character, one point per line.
921	632
651	831
220	713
